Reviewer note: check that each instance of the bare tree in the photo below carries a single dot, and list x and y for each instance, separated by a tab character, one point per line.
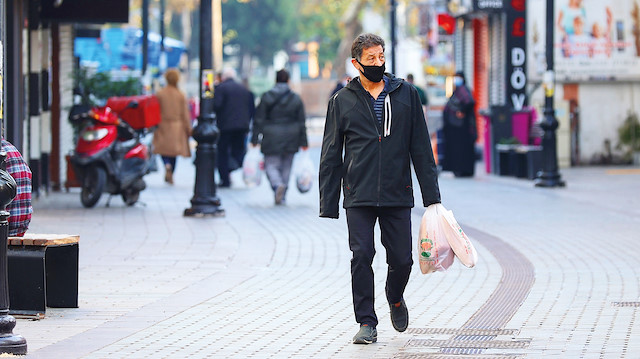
353	27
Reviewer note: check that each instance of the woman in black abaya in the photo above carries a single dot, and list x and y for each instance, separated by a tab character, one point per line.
456	141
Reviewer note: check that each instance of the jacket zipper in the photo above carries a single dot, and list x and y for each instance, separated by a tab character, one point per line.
375	124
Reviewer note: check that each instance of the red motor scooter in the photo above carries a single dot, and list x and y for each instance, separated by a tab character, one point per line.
110	155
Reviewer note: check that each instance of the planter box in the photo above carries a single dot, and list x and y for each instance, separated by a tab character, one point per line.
519	160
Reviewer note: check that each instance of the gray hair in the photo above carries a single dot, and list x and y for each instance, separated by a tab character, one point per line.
229	73
365	41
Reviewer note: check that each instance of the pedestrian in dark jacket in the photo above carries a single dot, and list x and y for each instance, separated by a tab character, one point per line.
423	95
280	128
374	130
341	84
234	107
456	140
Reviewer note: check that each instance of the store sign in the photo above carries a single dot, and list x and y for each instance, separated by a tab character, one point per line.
516	53
596	40
85	11
488	5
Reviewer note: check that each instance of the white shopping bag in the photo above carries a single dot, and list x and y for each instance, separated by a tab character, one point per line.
458	240
253	167
304	172
434	251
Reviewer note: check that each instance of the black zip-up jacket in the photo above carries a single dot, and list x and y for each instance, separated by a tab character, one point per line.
375	170
280	119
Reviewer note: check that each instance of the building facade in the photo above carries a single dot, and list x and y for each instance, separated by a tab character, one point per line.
36	45
500	45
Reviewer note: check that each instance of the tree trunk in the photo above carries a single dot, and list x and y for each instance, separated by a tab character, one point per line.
353	28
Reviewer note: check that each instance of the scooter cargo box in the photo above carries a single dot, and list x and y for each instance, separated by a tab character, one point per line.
145	115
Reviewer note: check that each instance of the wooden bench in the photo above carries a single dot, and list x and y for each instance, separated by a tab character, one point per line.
43	272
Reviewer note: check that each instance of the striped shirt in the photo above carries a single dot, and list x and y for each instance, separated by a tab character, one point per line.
378	103
20	208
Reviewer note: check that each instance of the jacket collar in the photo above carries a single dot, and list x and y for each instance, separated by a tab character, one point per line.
394	83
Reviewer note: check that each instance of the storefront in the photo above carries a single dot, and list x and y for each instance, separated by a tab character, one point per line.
36	42
597	64
491	50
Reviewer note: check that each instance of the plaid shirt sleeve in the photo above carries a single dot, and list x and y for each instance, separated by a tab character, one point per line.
20	208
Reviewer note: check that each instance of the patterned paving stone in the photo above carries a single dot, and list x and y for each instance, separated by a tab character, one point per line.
273	282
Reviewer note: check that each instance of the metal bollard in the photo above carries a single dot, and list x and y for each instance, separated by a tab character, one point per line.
205	202
9	342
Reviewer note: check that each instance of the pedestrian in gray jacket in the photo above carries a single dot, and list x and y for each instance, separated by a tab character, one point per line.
374	130
279	127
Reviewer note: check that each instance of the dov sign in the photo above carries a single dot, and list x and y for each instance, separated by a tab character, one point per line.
516	53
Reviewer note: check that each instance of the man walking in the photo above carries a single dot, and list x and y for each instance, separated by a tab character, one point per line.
234	107
424	100
378	123
280	122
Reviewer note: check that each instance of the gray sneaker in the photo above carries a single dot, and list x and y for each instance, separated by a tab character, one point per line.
399	316
366	335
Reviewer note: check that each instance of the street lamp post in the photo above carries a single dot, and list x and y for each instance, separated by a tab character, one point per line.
9	342
162	11
549	176
145	36
205	202
162	62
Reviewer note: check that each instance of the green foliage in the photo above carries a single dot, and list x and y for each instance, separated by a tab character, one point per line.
97	88
259	28
629	133
509	141
321	22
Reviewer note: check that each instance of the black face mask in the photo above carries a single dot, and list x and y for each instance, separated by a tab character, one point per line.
373	73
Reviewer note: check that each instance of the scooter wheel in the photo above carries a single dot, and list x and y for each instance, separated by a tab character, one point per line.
93	183
130	197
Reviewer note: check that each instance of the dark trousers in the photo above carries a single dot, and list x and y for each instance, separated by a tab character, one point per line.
395	228
169	161
232	147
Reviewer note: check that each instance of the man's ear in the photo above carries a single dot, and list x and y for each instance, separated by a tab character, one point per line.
355	64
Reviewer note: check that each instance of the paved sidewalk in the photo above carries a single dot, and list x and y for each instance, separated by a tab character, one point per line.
558	275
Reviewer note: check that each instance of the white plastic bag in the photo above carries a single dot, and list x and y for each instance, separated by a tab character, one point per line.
253	167
458	240
304	172
434	251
